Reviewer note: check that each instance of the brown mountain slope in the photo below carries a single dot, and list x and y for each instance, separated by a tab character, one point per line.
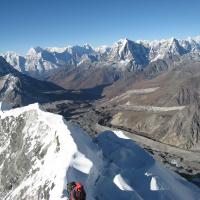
85	77
166	108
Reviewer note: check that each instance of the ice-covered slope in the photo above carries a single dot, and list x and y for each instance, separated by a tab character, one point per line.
40	153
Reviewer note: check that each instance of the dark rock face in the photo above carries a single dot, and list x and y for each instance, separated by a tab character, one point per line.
182	129
184	96
195	127
155	68
22	153
14	159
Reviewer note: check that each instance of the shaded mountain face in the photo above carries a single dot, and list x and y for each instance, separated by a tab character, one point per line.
18	89
85	77
6	68
163	107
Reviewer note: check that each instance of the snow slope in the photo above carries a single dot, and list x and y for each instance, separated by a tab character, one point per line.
111	166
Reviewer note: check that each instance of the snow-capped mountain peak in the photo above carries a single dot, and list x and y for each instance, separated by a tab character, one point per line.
123	41
197	38
87	46
10	54
34	51
56	49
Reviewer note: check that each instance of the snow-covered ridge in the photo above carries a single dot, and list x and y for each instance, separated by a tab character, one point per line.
136	53
48	152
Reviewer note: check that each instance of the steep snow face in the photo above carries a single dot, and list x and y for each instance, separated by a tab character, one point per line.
164	49
124	54
39	60
192	45
129	51
15	60
40	153
59	56
34	155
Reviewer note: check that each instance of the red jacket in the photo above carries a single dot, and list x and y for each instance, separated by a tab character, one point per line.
77	193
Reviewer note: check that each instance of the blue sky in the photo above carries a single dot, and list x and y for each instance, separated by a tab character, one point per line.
27	23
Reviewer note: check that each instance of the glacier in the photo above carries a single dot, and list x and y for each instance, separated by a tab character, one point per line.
41	152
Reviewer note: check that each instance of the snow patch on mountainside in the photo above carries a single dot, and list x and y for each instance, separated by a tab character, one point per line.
121	183
129	93
81	163
111	166
154	186
129	106
142	91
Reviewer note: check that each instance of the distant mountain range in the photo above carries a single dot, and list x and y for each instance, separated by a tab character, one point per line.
124	55
152	87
